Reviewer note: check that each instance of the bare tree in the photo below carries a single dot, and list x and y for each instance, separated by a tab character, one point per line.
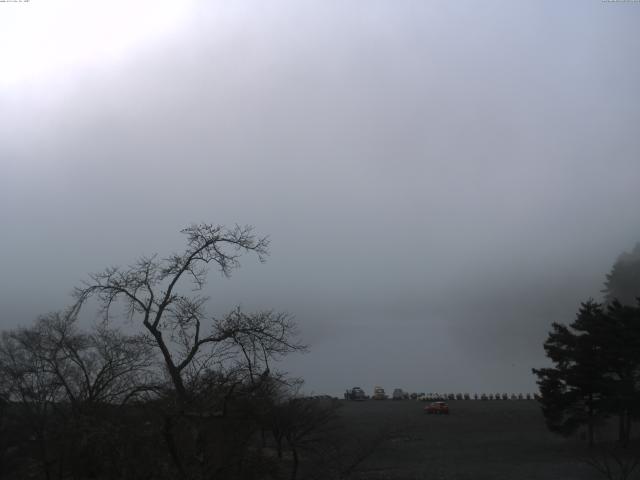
61	384
104	366
76	389
34	390
163	296
156	293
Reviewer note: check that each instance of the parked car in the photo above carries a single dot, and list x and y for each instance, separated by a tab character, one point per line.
356	393
398	394
378	394
437	408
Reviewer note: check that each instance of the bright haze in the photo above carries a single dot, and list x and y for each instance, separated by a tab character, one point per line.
440	180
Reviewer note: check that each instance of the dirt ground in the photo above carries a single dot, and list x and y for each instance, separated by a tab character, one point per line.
479	440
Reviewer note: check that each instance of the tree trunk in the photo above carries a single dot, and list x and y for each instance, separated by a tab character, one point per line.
590	421
294	470
624	427
627	428
171	445
43	454
174	373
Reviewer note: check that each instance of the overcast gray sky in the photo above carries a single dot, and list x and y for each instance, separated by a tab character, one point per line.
440	180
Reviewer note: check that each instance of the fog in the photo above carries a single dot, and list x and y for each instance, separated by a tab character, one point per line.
440	180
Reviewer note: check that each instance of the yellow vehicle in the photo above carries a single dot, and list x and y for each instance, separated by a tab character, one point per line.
378	394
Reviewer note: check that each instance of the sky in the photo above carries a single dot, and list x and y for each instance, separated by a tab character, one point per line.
440	181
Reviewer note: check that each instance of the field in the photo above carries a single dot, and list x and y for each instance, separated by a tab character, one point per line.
478	440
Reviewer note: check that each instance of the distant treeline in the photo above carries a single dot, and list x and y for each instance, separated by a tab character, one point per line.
429	397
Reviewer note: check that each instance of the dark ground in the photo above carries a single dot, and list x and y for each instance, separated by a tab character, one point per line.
479	440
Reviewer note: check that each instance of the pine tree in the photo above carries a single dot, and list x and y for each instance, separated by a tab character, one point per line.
596	370
573	393
622	352
623	282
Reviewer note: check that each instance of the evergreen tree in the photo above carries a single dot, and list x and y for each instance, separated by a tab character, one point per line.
596	370
573	392
622	355
623	282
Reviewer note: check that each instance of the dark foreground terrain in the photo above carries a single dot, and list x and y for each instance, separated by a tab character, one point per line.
478	440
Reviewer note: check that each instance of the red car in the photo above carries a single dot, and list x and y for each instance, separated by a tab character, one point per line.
437	408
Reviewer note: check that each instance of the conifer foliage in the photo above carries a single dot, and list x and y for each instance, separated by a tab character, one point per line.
596	370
